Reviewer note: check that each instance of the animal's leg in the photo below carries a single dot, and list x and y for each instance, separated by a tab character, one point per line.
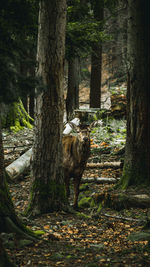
67	186
76	191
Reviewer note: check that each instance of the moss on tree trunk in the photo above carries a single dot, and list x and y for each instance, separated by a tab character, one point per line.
15	117
46	197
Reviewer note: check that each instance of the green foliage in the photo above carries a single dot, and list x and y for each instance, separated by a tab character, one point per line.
18	24
85	202
112	132
83	29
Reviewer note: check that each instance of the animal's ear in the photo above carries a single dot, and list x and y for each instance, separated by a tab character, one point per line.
92	125
89	129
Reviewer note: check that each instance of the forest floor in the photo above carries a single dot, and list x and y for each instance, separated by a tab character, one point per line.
90	237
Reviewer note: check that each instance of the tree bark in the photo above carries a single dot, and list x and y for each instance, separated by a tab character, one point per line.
48	192
137	156
72	100
4	260
95	81
96	60
9	222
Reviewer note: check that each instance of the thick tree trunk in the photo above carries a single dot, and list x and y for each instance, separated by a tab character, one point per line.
72	100
48	192
9	222
137	157
4	260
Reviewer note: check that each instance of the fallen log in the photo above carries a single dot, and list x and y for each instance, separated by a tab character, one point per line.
117	164
119	201
19	165
99	180
69	127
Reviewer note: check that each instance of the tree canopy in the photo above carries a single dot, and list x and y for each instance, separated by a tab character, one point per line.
18	23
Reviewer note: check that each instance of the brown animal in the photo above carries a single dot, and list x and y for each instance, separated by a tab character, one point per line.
76	150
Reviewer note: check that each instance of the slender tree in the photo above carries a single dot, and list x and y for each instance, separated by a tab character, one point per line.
72	100
76	16
137	157
48	192
96	58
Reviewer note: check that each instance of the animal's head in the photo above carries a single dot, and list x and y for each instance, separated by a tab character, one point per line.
84	133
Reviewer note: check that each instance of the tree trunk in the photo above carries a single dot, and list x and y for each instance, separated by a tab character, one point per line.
9	222
4	260
137	156
96	59
48	191
31	105
72	100
95	82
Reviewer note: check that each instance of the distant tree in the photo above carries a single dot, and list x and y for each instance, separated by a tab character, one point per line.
48	191
136	169
72	99
77	14
96	58
115	48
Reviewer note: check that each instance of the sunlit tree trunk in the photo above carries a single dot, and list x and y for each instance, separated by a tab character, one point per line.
137	157
48	193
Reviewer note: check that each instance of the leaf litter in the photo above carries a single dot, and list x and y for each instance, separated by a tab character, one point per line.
88	237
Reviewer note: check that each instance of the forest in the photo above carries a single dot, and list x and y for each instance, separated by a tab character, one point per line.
74	133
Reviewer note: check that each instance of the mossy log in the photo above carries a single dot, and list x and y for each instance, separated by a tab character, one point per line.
122	200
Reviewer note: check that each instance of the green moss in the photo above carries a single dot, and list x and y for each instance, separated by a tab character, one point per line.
50	189
47	197
83	215
84	187
17	118
99	208
85	202
39	232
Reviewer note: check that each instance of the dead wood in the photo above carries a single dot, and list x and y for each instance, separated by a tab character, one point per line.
104	165
99	180
123	200
18	166
21	164
122	218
